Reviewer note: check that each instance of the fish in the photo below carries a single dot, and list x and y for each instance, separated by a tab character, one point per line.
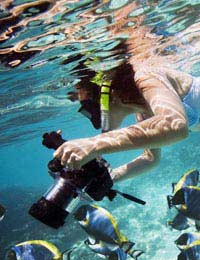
190	178
34	250
104	236
189	245
2	212
185	198
180	222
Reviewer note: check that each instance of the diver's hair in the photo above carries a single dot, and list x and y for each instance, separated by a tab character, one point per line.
124	85
92	90
85	75
123	82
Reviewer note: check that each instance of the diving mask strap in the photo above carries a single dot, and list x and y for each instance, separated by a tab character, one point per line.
105	106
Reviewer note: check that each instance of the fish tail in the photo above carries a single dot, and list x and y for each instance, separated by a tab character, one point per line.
135	253
67	253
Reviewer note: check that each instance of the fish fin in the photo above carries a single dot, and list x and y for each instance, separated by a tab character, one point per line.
136	253
91	241
180	222
173	186
66	254
170	201
113	256
101	256
1	218
182	256
192	197
127	245
179	197
197	225
192	178
2	212
182	240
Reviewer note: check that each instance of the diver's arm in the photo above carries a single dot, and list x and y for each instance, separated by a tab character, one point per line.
143	163
167	125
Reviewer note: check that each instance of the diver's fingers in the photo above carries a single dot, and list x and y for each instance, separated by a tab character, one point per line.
59	152
74	162
65	157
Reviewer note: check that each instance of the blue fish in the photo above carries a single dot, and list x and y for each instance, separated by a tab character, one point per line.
186	197
104	238
34	250
189	245
2	212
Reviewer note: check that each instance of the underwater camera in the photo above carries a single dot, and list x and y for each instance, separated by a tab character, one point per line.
91	182
92	179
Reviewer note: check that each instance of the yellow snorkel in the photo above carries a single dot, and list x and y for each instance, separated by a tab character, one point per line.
99	79
105	106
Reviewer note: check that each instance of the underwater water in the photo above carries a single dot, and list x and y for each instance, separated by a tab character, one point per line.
38	43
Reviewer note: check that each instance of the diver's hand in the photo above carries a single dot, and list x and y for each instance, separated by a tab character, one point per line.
118	172
76	153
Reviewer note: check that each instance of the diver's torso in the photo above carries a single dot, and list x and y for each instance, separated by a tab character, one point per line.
182	83
179	80
173	79
119	111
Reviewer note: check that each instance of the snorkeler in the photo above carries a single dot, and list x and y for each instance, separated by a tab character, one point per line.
186	198
159	97
104	237
166	102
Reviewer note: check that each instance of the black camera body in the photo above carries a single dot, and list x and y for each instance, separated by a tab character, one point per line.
93	178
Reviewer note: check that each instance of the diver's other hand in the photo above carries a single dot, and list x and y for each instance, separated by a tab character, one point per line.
118	172
76	153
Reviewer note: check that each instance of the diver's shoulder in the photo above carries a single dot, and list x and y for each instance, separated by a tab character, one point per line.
160	71
179	80
147	71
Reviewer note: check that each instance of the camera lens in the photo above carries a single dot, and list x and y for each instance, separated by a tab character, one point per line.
50	209
48	213
55	165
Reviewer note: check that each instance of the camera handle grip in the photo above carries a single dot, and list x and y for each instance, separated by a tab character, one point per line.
53	140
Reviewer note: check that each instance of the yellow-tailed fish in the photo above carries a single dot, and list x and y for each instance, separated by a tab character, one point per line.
185	198
189	245
104	237
34	250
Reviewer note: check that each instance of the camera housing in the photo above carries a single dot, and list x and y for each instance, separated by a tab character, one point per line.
93	178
